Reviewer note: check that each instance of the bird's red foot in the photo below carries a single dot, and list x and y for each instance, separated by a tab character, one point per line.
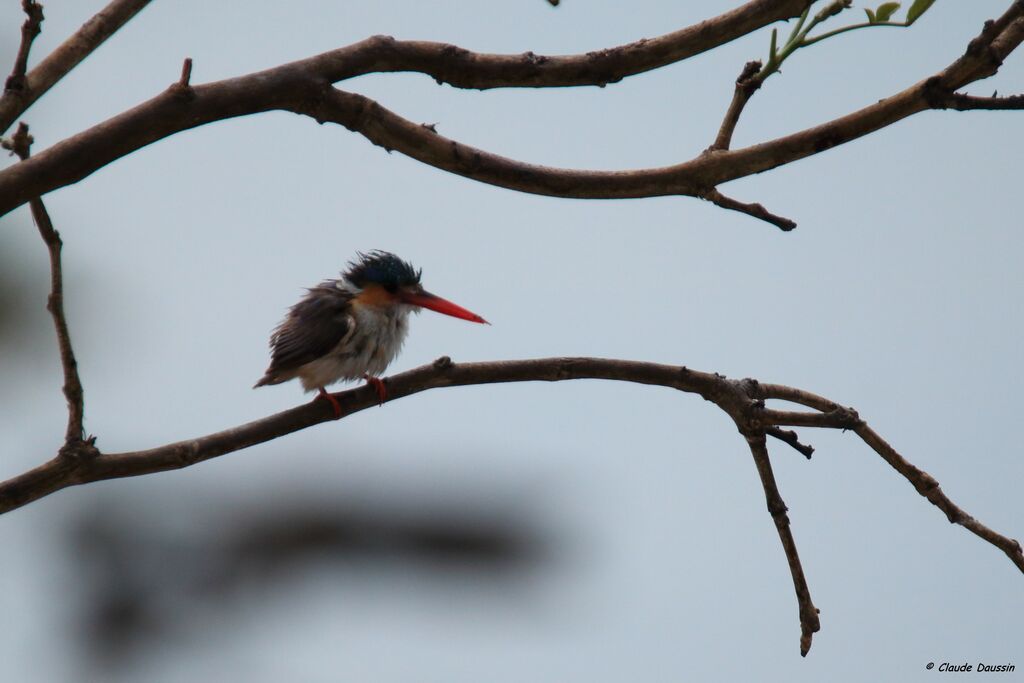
378	384
333	401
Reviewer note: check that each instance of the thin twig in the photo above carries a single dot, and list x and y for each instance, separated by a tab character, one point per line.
29	30
852	27
186	73
746	85
847	418
755	210
66	57
74	441
754	74
928	487
788	436
809	622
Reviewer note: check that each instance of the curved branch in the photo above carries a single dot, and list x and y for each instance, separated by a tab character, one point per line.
58	474
303	87
71	52
794	395
463	68
740	399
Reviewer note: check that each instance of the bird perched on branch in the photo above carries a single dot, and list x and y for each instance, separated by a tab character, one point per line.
354	327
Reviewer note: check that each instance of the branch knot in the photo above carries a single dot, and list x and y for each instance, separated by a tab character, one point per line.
79	449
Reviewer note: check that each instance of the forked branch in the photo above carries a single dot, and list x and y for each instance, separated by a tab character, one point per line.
75	443
742	400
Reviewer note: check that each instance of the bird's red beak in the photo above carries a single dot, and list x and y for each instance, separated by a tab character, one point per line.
436	303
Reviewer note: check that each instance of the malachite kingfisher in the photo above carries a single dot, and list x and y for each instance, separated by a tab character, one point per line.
353	327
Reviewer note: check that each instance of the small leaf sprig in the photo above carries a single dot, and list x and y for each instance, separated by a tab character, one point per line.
799	36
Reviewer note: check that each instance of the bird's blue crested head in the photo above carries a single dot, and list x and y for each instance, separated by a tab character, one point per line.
382	268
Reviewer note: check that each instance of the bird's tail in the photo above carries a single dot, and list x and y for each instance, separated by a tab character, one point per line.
268	378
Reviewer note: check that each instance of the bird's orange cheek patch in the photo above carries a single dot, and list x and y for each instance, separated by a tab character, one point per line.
374	295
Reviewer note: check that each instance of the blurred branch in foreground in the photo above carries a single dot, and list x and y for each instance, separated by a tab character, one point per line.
149	572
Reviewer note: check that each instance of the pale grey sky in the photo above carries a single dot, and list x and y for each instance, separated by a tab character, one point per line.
899	294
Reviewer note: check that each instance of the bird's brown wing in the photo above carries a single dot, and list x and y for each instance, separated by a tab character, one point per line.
311	330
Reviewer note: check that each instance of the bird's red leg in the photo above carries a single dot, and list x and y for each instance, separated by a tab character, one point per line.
378	384
333	401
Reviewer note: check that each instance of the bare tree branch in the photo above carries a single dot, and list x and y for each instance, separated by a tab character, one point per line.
462	68
740	399
923	482
809	622
71	52
303	87
55	475
29	30
74	441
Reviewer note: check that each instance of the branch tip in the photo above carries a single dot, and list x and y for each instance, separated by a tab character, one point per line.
809	622
928	487
756	210
747	84
29	30
20	143
186	73
790	437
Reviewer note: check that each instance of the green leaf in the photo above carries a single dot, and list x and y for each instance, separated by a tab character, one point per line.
871	16
917	9
886	10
